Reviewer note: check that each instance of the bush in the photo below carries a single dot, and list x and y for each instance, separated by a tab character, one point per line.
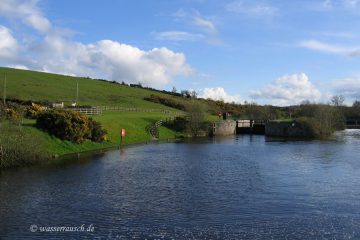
34	110
98	134
11	111
166	101
311	126
18	147
178	124
71	126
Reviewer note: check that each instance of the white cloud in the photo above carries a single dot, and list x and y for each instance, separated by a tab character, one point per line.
178	36
103	59
19	67
111	60
349	87
204	24
218	93
288	89
27	11
330	48
206	28
251	8
8	44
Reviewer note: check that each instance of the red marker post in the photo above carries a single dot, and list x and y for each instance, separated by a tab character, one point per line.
122	134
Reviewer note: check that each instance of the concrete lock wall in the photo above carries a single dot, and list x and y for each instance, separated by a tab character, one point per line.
286	129
224	128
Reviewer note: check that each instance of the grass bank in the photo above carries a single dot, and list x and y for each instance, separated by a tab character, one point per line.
18	147
135	124
40	86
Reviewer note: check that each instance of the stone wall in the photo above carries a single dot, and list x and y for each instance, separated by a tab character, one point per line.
224	128
287	129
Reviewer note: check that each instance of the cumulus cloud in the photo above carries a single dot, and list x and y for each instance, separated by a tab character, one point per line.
103	59
219	93
112	60
8	44
288	89
349	87
27	12
178	36
251	8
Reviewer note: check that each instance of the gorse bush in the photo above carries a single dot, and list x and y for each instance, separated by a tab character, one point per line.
98	134
71	126
34	110
19	147
166	101
12	112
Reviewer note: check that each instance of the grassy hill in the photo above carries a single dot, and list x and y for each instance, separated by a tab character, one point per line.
39	86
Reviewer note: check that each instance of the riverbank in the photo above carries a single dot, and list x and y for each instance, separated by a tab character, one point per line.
135	124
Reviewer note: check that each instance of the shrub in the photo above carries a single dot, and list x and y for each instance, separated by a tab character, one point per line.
311	126
34	110
178	124
98	134
11	111
70	125
166	101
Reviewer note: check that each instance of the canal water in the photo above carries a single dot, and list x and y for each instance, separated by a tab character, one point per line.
238	187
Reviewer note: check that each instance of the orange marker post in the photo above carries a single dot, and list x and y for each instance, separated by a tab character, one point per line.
122	134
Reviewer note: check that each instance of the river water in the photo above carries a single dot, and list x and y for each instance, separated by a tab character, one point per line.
238	187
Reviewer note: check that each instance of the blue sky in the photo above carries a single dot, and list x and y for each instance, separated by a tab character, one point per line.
271	52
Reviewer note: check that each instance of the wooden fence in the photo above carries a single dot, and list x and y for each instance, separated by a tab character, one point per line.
87	111
100	109
131	109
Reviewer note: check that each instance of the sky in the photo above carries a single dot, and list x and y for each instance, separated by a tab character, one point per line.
269	52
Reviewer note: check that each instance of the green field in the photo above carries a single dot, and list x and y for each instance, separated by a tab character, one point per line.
39	86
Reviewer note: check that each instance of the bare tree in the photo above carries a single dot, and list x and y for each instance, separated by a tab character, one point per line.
337	100
356	103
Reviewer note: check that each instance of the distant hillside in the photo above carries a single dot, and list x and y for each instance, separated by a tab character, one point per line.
40	86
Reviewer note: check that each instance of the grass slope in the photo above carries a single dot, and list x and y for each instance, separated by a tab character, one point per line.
37	86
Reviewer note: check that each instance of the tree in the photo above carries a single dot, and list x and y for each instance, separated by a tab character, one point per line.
193	94
196	118
356	103
338	100
174	90
186	93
